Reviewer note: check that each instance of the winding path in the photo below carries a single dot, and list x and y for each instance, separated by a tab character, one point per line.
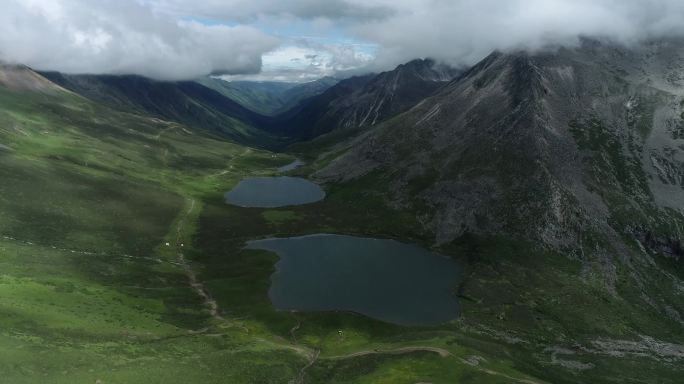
302	372
399	351
197	285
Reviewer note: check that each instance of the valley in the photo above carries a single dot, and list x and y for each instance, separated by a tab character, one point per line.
555	227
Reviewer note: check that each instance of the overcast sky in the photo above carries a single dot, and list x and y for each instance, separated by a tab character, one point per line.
300	40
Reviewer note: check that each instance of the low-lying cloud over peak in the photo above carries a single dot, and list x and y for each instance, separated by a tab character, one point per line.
464	31
183	39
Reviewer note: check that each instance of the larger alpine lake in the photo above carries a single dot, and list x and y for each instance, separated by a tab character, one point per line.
383	279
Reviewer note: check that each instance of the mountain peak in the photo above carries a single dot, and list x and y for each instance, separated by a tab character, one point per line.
427	69
368	100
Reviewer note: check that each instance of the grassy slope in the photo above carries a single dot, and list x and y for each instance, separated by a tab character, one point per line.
265	98
88	199
268	98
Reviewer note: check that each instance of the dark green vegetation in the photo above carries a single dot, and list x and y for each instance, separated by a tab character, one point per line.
554	180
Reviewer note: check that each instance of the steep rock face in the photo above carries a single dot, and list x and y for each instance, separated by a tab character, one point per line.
550	146
471	151
368	100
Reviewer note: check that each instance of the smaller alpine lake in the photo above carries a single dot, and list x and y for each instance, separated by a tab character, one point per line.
273	192
292	166
383	279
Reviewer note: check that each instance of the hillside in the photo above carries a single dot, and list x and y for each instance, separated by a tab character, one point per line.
90	199
185	102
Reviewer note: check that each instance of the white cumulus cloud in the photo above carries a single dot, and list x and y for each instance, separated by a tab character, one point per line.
124	36
179	39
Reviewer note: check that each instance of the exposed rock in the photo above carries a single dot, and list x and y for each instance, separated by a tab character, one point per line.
573	365
667	246
646	347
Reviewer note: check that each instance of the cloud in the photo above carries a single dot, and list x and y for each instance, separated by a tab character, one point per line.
461	32
124	36
304	39
305	60
246	10
464	31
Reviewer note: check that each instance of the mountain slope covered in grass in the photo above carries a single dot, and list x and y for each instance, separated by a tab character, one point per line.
187	102
89	198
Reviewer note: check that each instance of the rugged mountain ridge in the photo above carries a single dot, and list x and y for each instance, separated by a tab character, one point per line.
540	118
365	101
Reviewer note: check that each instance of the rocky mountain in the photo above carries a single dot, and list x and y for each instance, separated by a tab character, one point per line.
366	101
577	151
534	130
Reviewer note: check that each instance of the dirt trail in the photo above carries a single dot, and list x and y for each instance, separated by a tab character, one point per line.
495	373
231	164
398	351
197	285
293	330
302	372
